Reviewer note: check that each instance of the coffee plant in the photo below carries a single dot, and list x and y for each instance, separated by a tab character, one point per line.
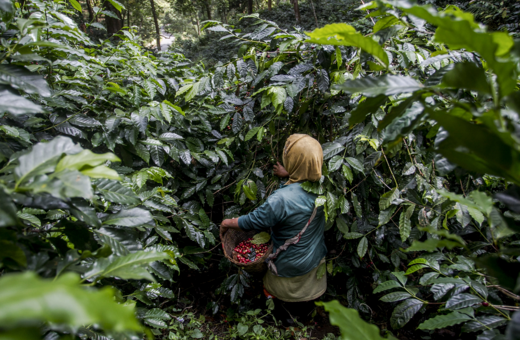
117	165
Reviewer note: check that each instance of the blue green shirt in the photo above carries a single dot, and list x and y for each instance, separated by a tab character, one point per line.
287	211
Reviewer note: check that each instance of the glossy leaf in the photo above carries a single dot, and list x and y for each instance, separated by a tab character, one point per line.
385	85
443	321
404	312
19	293
351	325
346	35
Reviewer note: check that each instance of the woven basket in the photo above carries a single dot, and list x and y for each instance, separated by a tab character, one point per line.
232	238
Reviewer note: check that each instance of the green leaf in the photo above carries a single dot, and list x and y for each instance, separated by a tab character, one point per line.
344	205
405	224
335	163
114	192
395	296
119	6
386	215
101	171
467	76
21	292
251	133
415	268
8	217
362	247
125	267
352	236
64	184
278	95
157	313
17	105
320	201
384	85
401	277
404	312
387	198
443	321
322	269
356	164
386	286
370	105
339	59
76	5
19	77
42	158
134	217
357	205
462	300
484	322
418	260
331	149
342	226
347	172
250	189
12	251
385	22
261	238
242	329
432	245
464	33
441	289
29	218
351	325
346	35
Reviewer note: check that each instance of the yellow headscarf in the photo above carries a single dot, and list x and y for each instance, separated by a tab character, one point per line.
302	158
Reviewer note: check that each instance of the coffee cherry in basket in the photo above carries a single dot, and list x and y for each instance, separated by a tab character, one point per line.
248	252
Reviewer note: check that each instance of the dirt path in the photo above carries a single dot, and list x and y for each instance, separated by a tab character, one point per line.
166	40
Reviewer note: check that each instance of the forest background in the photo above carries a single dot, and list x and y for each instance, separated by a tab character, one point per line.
118	161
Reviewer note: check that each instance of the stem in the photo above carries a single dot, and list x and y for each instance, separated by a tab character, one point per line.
414	161
390	168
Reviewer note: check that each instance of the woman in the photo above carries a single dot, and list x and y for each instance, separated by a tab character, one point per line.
286	212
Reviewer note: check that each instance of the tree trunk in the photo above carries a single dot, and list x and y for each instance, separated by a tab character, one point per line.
250	6
269	4
296	11
113	25
157	31
198	24
91	15
208	8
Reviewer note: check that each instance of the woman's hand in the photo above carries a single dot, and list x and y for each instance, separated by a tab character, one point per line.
279	170
230	223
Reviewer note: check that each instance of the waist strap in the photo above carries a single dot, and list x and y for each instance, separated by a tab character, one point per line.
288	242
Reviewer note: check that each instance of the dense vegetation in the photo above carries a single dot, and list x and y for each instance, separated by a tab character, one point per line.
118	163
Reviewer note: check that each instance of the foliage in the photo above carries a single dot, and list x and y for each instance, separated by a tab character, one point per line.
117	163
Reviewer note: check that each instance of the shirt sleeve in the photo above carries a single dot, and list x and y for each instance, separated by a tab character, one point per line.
261	219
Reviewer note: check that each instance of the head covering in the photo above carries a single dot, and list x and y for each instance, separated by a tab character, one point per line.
302	158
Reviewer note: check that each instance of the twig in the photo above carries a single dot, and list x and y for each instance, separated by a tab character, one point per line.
227	186
207	251
390	168
506	292
508	308
373	22
341	252
414	161
313	11
464	193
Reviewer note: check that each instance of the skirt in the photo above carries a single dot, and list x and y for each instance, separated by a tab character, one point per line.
296	289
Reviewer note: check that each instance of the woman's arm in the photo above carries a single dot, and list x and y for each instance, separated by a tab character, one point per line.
230	223
261	219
